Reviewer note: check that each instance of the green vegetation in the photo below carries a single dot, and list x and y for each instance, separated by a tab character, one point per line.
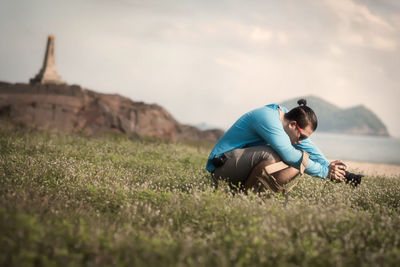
74	200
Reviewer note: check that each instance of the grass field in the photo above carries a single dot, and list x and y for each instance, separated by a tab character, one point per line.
115	200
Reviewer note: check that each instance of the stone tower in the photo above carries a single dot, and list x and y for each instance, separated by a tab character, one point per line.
48	73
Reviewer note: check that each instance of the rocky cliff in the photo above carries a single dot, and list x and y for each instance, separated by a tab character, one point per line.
74	109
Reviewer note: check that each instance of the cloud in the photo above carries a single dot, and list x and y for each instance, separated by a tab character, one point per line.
227	62
335	50
260	35
358	26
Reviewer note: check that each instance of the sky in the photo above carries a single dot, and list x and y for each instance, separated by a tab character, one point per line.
212	61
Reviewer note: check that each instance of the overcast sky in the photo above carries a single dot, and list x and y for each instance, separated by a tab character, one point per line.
212	61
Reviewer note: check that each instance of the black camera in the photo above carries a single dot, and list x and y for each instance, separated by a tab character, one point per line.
353	179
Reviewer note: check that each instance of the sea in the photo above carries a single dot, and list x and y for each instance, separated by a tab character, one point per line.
359	148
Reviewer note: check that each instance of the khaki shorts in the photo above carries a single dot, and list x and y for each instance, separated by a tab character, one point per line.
240	162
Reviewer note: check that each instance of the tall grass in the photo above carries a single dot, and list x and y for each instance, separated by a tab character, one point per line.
73	200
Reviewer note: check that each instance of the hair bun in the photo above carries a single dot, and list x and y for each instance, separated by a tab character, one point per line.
302	102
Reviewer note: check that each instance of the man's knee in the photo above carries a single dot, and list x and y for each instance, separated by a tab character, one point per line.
282	176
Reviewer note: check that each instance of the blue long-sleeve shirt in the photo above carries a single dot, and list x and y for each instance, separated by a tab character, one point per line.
263	126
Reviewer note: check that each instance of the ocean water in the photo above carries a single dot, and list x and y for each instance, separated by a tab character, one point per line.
358	147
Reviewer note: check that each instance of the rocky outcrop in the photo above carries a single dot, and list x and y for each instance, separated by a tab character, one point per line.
74	109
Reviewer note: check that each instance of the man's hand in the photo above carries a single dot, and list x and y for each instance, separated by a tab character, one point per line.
336	171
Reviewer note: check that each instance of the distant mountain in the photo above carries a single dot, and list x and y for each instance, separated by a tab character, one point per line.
354	120
70	108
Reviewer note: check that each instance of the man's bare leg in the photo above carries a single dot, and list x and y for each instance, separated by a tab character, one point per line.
282	177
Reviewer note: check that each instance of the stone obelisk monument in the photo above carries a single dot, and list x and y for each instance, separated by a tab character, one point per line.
48	73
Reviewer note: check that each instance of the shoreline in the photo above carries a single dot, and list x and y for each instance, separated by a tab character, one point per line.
373	169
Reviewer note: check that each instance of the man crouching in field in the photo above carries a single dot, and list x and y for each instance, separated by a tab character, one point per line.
269	146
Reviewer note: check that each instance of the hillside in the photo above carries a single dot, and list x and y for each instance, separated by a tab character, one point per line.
70	108
354	120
